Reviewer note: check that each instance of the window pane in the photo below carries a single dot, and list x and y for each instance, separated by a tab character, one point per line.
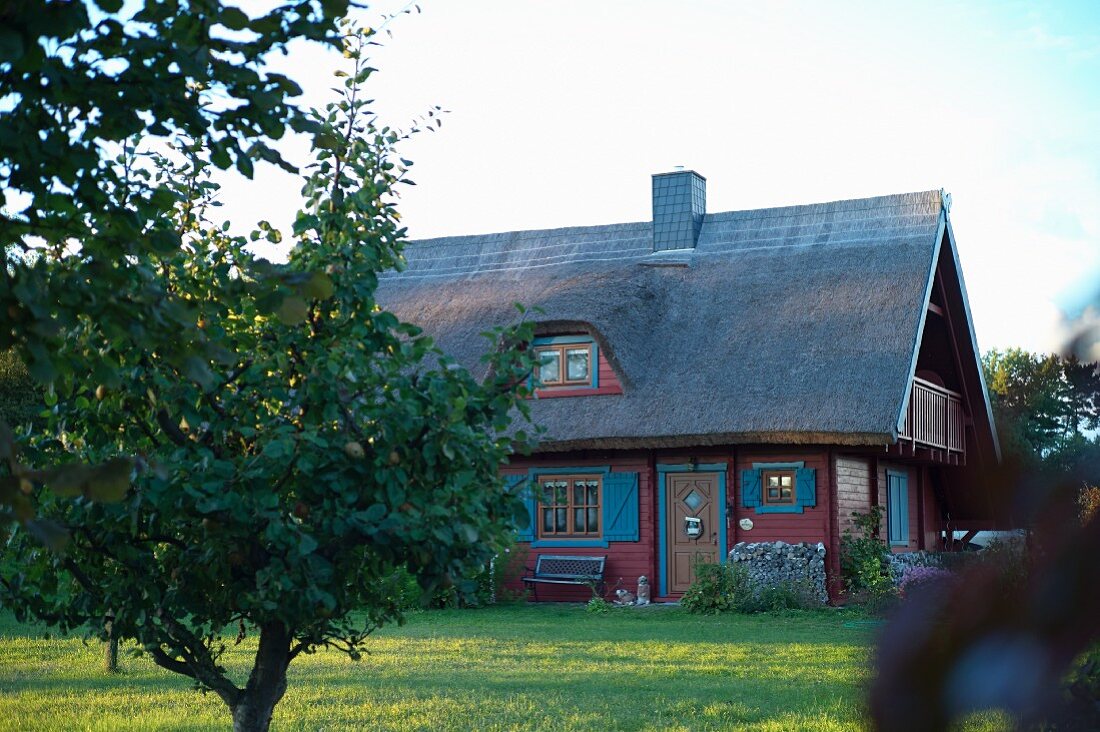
561	495
593	493
578	493
594	520
786	493
562	518
786	481
548	520
773	492
773	480
578	520
576	364
547	494
550	368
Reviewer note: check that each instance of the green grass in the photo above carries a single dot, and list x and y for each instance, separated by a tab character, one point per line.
531	668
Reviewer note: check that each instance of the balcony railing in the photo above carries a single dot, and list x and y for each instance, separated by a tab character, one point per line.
934	418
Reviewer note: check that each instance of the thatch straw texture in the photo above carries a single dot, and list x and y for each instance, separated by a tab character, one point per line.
793	324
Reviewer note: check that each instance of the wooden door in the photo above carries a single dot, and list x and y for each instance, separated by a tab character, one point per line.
689	496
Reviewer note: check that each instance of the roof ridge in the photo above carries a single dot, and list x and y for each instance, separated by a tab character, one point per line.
772	212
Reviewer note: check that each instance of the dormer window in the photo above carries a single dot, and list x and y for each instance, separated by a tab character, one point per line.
565	361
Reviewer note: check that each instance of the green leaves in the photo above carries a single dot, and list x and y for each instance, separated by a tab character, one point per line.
319	286
11	44
233	18
197	370
292	311
49	533
107	482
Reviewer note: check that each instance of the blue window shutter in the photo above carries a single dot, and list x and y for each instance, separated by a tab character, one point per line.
897	518
750	488
903	508
805	486
527	493
620	507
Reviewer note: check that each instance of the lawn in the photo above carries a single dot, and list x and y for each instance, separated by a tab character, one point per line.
531	668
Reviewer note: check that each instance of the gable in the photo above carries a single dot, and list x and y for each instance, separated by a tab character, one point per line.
794	324
947	353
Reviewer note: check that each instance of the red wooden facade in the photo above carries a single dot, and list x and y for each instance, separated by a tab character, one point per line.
847	479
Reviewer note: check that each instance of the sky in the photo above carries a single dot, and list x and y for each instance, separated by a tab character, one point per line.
559	113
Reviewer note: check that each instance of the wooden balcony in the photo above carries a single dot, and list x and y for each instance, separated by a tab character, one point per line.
934	421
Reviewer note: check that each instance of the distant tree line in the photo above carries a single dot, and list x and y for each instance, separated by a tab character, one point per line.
1046	408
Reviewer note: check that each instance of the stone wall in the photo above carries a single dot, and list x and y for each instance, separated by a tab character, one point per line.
776	563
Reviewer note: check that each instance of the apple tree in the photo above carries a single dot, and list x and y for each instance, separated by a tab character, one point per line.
81	83
283	475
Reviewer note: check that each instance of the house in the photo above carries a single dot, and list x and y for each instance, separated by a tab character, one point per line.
762	373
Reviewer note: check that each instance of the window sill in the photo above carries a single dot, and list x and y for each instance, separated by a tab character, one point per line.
779	509
576	391
550	543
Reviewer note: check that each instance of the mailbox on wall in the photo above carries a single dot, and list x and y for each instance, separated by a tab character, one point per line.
693	526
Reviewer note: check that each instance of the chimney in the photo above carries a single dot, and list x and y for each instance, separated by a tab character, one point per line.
679	202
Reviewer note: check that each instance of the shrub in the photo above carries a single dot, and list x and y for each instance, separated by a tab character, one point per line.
1080	709
878	601
723	588
507	566
402	588
490	585
718	588
1009	556
864	562
598	606
917	577
20	396
784	596
1089	501
957	561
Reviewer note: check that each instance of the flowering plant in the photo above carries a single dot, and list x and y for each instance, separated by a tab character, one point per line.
914	577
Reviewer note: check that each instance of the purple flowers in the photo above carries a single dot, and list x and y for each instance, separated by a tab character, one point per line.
915	577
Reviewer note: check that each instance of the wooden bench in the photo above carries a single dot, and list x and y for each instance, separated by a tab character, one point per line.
556	569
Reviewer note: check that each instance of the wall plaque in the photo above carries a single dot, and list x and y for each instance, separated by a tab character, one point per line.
745	524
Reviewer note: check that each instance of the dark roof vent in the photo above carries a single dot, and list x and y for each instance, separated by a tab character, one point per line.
679	203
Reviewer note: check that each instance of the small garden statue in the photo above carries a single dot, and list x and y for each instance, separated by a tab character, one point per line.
624	597
643	591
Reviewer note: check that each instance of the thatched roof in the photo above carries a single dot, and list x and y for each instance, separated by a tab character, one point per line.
795	324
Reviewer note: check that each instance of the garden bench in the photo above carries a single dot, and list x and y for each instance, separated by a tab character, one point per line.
556	569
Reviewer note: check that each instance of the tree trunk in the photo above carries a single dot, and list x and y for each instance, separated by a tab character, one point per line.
267	682
110	656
